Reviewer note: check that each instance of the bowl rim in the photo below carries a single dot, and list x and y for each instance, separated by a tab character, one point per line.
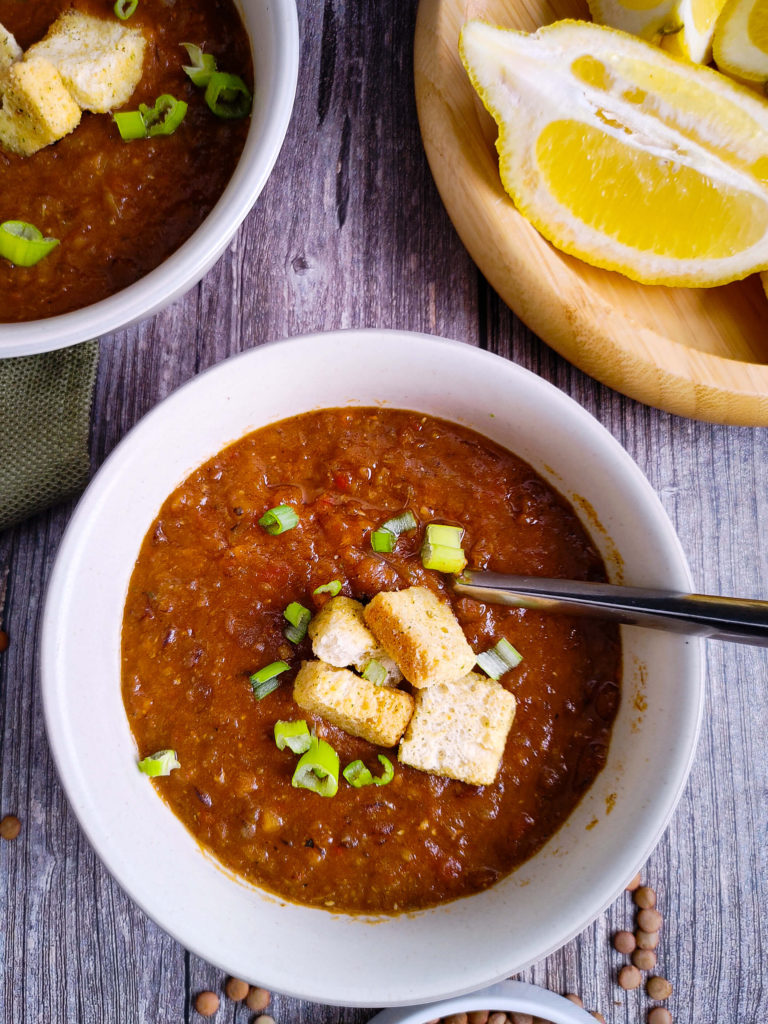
187	265
53	631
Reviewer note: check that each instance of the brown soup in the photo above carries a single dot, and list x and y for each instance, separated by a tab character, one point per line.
205	610
120	208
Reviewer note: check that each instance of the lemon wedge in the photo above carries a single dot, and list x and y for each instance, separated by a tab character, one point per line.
741	39
624	156
694	40
644	18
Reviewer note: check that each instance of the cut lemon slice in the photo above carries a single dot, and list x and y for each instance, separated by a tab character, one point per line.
694	40
623	156
644	18
741	39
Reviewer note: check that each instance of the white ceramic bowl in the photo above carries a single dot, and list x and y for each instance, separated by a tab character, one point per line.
311	953
274	33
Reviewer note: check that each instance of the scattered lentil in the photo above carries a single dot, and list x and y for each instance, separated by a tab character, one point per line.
649	920
4	641
574	998
10	827
634	884
624	942
659	1015
645	959
237	989
479	1017
629	977
658	988
646	940
598	1016
264	1019
207	1003
258	998
645	897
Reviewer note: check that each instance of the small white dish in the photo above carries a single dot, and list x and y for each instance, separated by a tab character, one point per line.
507	996
274	32
310	953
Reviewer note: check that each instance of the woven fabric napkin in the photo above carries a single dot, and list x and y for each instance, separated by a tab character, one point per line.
45	412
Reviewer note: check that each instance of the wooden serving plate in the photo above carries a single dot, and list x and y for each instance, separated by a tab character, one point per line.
698	352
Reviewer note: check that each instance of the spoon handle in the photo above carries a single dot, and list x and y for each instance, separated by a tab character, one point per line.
721	618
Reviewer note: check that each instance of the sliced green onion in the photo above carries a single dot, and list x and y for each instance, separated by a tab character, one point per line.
444	536
227	95
383	541
23	244
318	769
161	763
279	519
333	588
130	124
499	659
375	672
442	558
265	680
401	524
201	67
299	618
294	735
358	775
166	115
125	8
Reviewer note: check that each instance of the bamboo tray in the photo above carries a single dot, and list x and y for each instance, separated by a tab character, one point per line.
698	352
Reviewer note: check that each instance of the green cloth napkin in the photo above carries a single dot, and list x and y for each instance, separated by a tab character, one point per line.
45	412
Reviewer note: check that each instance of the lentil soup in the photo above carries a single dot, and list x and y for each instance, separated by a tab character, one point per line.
205	610
120	208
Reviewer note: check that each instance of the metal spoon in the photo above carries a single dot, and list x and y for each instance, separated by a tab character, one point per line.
722	618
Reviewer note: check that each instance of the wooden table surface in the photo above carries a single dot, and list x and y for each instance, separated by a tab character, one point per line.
350	232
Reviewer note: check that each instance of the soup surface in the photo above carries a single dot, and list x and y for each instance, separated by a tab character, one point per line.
120	208
205	610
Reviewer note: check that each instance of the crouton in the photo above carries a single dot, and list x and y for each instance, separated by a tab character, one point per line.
422	634
341	638
36	107
375	713
99	59
9	48
459	729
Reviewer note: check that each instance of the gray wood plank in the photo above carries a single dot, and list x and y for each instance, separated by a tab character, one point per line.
350	232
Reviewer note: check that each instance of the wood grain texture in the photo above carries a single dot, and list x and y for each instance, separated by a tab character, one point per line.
350	231
695	352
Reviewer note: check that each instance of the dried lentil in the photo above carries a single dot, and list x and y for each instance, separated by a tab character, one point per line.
646	940
520	1018
10	827
629	977
624	942
478	1017
658	988
574	998
659	1015
237	989
649	920
644	959
456	1018
645	897
207	1003
634	884
258	999
497	1018
4	641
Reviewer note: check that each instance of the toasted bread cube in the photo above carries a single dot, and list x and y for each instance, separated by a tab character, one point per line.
459	729
341	638
422	634
9	48
99	59
375	713
36	107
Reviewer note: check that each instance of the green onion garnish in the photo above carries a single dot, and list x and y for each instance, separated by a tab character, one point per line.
383	539
279	519
201	67
299	618
23	244
161	763
265	680
442	549
125	8
375	672
318	769
358	775
165	117
294	735
500	659
227	95
333	588
130	124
